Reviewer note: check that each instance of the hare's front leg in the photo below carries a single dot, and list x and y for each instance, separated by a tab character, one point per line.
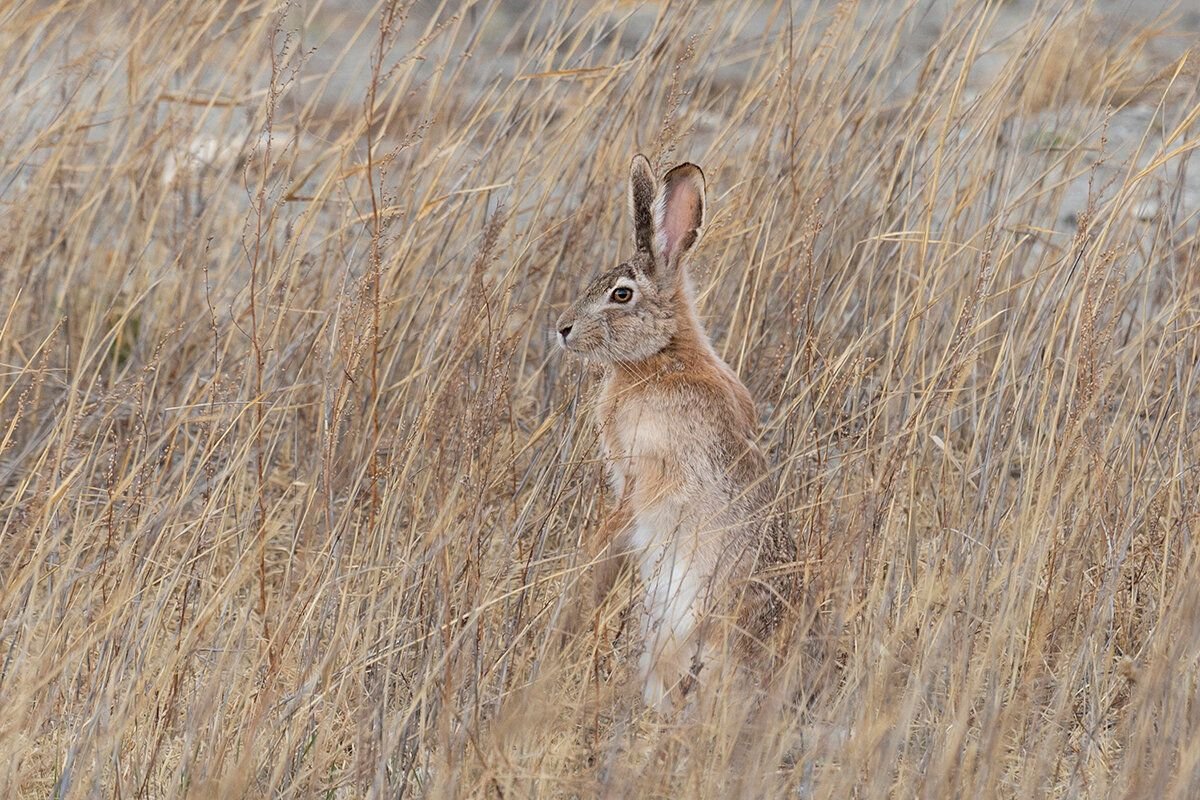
606	555
603	558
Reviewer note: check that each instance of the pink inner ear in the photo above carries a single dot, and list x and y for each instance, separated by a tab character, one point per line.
680	219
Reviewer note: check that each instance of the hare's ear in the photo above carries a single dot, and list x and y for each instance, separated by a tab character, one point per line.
678	215
641	203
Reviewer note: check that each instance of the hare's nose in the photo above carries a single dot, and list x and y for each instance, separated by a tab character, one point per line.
564	331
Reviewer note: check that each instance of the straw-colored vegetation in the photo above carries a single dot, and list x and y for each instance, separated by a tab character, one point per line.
292	476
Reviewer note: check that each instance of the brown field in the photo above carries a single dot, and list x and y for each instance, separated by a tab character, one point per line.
292	476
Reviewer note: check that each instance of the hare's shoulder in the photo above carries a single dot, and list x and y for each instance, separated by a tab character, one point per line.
715	395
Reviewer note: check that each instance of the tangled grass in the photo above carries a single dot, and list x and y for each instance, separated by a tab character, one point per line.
292	479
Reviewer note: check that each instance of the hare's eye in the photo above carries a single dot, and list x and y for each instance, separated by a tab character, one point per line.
621	294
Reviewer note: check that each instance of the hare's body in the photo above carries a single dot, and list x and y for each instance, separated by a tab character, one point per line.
679	434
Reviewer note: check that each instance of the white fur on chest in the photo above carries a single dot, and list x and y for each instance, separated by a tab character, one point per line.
634	435
653	461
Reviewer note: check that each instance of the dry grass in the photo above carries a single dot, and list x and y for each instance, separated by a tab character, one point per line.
291	479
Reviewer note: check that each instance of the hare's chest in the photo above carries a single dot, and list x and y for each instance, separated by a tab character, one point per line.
639	442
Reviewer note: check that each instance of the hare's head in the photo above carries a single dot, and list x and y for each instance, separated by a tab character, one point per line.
632	311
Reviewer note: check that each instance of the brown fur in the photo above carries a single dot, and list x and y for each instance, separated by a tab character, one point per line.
679	432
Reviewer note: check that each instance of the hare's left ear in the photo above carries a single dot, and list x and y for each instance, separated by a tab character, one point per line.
641	203
678	215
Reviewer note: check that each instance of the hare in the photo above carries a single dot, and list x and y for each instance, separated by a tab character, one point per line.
678	432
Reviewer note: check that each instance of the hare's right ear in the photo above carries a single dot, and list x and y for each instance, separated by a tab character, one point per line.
678	216
642	190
